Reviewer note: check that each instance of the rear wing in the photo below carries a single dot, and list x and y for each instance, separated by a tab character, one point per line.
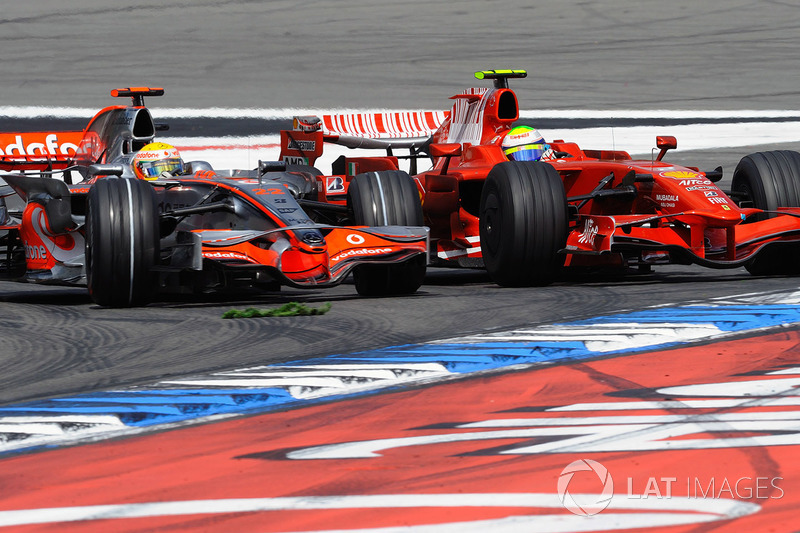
113	131
404	129
39	150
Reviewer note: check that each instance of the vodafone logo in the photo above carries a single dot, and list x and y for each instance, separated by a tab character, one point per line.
361	251
228	255
585	504
50	146
355	239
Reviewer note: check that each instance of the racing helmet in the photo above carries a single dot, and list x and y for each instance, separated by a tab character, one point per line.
155	158
523	143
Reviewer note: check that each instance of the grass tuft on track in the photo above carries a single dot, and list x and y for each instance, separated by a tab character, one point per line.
290	309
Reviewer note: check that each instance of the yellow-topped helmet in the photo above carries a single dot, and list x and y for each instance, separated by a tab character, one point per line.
523	143
155	158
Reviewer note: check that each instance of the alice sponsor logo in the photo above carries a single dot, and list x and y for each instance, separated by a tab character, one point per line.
589	232
50	146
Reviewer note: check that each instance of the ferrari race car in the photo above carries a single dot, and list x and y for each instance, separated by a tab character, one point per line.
129	239
524	221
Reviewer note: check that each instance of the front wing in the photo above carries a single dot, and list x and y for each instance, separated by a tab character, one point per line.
345	248
688	235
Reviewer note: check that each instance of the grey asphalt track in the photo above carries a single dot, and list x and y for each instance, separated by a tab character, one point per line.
680	54
581	55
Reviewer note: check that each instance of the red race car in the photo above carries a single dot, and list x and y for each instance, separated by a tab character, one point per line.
524	221
187	231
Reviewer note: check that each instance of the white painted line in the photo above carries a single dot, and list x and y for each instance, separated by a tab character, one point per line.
63	419
289	112
281	382
687	511
628	419
601	337
353	374
417	367
674	404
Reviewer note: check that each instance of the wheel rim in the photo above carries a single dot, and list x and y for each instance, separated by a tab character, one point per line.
491	223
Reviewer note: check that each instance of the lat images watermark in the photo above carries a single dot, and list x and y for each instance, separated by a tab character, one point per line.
652	487
583	504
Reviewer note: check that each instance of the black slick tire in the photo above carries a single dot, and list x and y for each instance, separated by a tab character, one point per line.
771	180
523	223
387	198
122	242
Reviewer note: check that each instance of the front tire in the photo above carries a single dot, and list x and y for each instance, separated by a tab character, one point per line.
387	198
523	223
122	242
771	180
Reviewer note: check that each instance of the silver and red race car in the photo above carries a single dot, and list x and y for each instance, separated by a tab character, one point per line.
86	219
525	221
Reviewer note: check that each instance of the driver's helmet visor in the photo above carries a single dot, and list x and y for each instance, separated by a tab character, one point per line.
153	169
526	152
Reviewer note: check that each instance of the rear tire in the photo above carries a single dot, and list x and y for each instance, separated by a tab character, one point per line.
308	169
122	242
523	223
387	198
771	180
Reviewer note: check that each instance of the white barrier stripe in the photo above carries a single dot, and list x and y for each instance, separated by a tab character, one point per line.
408	123
25	112
361	121
348	125
372	125
389	122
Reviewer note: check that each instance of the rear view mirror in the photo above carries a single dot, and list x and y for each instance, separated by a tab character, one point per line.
271	166
105	169
445	150
665	143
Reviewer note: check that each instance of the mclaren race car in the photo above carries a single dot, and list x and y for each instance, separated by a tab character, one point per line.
86	219
525	221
